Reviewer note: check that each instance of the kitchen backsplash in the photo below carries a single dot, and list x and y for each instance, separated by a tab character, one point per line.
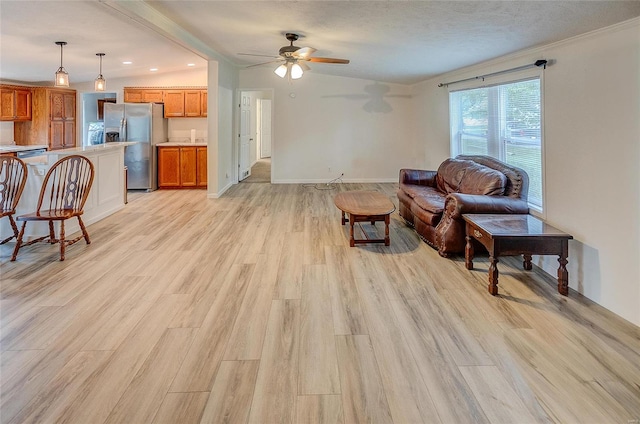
179	129
182	136
6	132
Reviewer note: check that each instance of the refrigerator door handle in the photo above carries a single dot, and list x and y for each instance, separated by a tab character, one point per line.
123	129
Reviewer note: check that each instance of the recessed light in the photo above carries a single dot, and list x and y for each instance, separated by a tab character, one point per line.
127	63
191	64
153	69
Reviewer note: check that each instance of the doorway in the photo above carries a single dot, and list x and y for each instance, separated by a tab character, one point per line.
255	145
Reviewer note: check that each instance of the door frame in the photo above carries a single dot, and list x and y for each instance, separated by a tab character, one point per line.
236	143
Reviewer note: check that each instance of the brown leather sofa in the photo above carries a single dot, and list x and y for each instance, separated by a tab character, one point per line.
433	201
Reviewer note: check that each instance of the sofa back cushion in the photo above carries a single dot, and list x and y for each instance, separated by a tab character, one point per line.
480	179
469	177
450	175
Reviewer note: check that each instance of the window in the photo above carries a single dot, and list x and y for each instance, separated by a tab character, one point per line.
503	121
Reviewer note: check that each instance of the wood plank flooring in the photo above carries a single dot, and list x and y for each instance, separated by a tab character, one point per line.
252	308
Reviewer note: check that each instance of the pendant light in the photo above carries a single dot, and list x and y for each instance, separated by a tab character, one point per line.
100	83
62	77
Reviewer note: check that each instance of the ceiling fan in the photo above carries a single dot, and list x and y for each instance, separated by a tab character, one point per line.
294	59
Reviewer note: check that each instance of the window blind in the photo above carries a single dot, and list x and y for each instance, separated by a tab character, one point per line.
502	121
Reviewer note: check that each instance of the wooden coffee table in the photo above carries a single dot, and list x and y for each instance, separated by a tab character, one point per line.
510	235
365	206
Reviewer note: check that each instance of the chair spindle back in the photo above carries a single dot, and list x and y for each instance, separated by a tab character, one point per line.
13	177
67	184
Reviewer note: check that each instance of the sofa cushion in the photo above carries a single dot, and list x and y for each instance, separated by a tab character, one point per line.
428	217
450	173
413	190
432	201
480	179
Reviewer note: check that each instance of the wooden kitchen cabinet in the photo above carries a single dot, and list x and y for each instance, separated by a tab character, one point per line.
201	167
182	167
168	167
187	103
174	103
188	167
53	120
192	103
179	102
15	103
143	95
203	102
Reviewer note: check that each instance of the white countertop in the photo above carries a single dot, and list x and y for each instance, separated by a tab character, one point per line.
88	149
12	148
182	143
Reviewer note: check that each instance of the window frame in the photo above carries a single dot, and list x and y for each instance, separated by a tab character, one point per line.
527	75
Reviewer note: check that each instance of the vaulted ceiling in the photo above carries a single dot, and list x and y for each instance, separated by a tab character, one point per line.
389	41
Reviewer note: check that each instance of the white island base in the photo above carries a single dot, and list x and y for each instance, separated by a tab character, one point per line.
106	197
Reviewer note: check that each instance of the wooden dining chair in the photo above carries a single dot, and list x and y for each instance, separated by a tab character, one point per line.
63	194
13	177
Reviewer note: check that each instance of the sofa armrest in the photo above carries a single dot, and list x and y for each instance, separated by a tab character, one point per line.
418	177
457	204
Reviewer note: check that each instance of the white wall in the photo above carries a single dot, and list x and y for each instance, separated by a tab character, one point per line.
591	153
223	83
347	124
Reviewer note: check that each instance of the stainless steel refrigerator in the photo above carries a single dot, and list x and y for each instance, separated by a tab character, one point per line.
145	124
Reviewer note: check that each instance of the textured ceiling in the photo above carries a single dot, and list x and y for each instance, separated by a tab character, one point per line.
390	41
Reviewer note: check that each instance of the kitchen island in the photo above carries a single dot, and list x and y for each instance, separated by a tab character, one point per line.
107	195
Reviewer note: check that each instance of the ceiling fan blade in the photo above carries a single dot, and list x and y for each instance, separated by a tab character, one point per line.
304	66
258	55
327	60
303	52
264	63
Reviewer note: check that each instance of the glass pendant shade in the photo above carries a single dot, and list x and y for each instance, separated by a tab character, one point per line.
100	83
296	71
281	71
62	77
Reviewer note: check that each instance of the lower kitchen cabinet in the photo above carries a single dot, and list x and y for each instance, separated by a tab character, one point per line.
182	167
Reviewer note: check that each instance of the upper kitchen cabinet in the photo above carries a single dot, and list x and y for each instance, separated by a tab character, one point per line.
185	103
15	103
203	103
143	95
174	103
53	119
179	102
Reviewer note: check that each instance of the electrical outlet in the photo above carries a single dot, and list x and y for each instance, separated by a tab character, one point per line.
329	169
40	171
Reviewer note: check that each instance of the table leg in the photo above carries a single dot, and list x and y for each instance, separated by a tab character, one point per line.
352	240
527	262
493	275
563	276
468	253
387	240
343	220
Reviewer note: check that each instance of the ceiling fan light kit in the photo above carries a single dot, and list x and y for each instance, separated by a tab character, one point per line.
294	58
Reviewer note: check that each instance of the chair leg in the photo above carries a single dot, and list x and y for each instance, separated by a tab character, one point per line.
84	230
15	230
52	234
18	242
61	241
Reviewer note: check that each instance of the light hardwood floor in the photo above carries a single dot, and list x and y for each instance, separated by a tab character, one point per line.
252	308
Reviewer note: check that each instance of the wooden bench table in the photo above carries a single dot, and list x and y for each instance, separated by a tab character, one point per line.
510	235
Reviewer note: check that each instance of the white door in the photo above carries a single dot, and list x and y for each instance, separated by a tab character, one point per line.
265	128
244	163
